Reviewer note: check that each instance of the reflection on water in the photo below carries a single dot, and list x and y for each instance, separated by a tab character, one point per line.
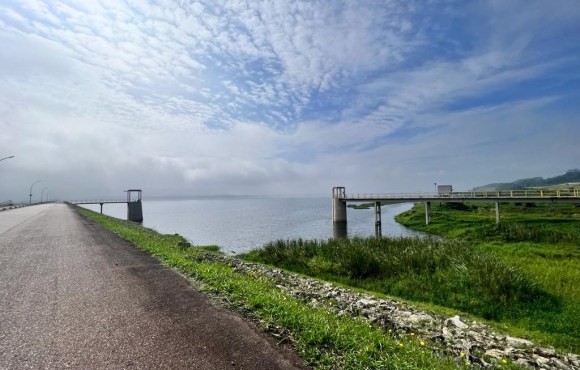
240	224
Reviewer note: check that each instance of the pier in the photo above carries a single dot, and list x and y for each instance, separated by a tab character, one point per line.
340	199
134	205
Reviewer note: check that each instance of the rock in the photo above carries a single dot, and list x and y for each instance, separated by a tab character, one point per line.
509	351
447	335
475	336
419	317
545	352
523	362
573	359
366	302
559	364
542	361
518	342
456	322
495	353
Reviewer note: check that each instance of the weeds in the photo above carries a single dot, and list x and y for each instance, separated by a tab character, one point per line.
511	231
445	272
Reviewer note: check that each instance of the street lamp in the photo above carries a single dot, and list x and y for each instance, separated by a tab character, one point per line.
1	159
42	193
31	185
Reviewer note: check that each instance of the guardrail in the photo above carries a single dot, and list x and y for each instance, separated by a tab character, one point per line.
503	194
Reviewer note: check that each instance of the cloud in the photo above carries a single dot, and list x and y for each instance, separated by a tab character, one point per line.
283	97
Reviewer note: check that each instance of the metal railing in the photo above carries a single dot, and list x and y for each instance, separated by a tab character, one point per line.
501	194
98	201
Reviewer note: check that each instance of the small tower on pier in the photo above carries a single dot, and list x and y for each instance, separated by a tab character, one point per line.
134	206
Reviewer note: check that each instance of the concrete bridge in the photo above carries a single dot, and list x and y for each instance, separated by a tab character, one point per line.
134	205
340	199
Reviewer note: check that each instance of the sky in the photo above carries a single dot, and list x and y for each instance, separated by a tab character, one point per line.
284	97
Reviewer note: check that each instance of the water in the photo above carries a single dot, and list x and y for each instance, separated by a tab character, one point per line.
240	224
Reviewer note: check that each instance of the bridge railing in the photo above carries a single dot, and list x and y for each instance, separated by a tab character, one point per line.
97	201
531	193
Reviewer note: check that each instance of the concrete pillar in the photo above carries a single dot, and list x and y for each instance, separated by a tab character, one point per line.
427	213
135	211
497	212
339	218
378	228
338	210
339	230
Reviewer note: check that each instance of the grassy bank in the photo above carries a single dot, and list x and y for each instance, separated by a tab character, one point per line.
448	273
444	272
542	241
323	339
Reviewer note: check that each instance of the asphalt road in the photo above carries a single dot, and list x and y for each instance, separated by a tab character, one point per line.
75	296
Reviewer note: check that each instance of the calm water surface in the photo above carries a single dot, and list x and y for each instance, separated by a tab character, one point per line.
240	224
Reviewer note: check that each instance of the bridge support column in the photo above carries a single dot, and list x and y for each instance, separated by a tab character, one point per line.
378	228
339	212
497	212
427	213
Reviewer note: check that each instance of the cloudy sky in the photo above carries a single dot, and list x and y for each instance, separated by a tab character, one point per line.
285	97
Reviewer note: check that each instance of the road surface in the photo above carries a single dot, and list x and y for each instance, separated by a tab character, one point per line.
75	296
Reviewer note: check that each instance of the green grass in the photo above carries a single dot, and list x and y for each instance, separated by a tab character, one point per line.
542	241
322	338
449	273
543	223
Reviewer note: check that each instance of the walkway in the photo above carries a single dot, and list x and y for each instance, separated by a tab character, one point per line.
73	295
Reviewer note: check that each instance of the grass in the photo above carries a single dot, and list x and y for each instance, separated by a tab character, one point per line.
542	241
542	223
323	339
449	273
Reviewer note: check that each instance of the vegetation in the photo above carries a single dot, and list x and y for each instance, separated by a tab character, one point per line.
449	273
322	338
541	240
445	272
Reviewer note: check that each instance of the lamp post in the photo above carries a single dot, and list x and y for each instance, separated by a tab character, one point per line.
31	185
42	193
1	159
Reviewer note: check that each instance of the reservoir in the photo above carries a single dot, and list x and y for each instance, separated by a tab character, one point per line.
238	224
